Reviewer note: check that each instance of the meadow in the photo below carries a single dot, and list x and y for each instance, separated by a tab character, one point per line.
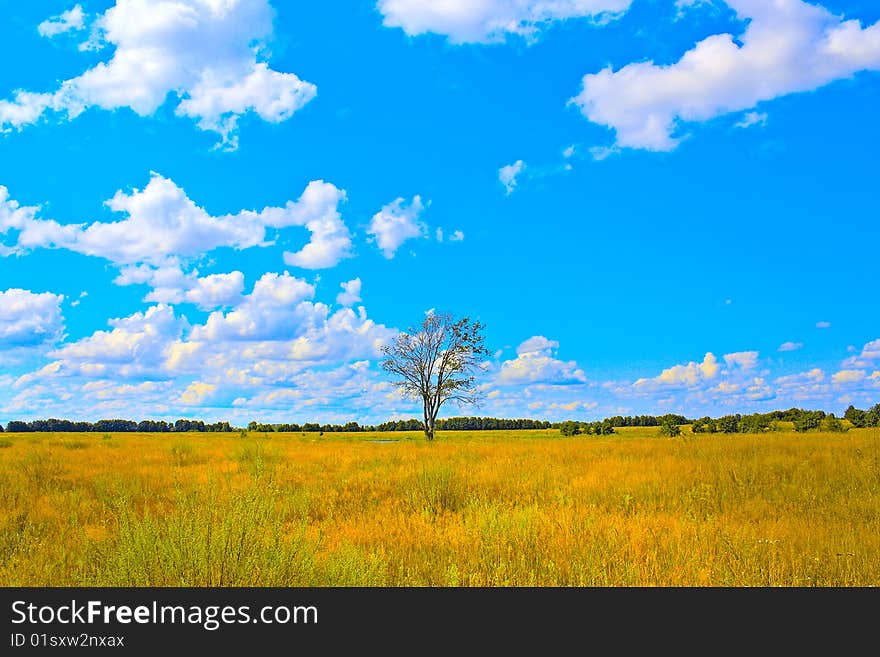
518	508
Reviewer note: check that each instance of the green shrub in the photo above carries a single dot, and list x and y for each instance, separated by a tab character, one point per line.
570	428
669	427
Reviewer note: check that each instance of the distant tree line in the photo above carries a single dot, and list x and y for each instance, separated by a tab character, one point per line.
802	420
412	424
644	420
489	424
349	427
573	428
145	426
861	419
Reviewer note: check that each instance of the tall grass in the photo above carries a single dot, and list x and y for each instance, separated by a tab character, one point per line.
472	509
206	538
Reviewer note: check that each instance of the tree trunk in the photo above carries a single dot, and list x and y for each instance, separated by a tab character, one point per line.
429	423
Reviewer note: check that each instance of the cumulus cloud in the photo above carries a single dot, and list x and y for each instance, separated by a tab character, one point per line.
790	346
163	231
815	375
318	210
823	325
216	290
868	357
71	20
134	347
274	338
486	21
788	46
507	175
536	363
754	389
209	54
743	359
848	376
537	343
161	222
351	293
266	313
196	393
275	331
29	319
396	223
688	375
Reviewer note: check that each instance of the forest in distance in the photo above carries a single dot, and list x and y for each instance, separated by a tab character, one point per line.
794	418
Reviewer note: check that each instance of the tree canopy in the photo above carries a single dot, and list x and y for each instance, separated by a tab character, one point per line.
436	362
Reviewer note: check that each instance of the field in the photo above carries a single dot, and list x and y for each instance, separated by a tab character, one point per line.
525	508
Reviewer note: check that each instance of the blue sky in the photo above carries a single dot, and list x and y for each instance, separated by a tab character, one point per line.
221	209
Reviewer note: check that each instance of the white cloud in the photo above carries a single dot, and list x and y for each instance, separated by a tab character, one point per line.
457	236
317	210
508	174
71	20
750	119
76	302
29	319
161	223
745	360
269	311
788	46
848	376
275	338
395	223
163	231
815	375
568	152
869	356
790	346
351	293
823	325
207	53
134	347
691	374
535	344
755	389
536	363
486	21
196	392
216	290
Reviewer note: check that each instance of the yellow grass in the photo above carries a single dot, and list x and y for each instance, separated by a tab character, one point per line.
474	508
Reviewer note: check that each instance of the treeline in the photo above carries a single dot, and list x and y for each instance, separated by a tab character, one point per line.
643	420
861	419
489	424
803	420
606	427
145	426
466	424
349	427
412	424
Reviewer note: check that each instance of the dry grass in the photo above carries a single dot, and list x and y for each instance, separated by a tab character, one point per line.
474	508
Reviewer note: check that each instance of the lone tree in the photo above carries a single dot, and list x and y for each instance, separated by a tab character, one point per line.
437	362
